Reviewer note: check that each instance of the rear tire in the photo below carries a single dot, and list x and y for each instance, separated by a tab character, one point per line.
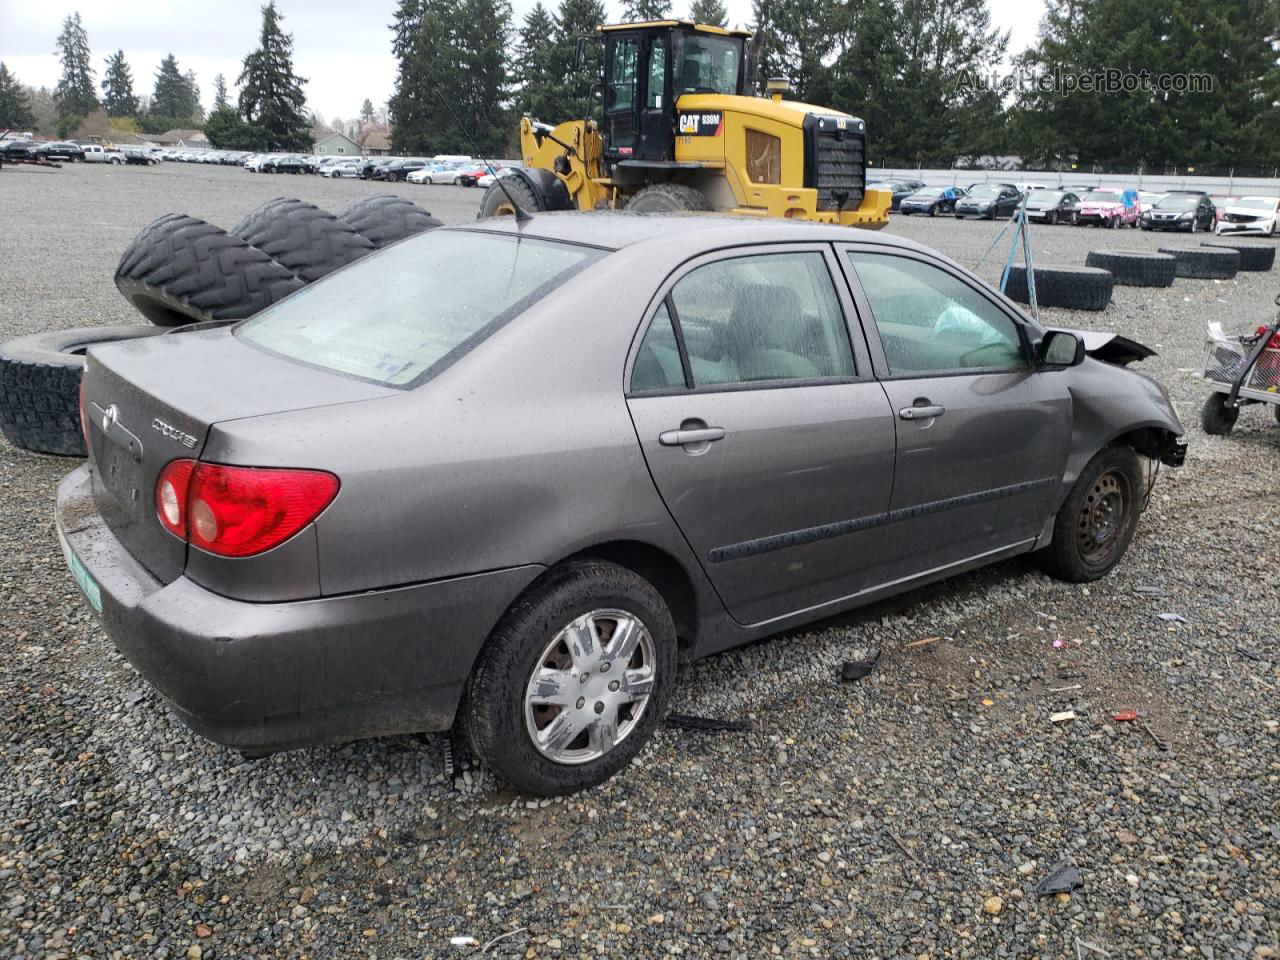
181	270
1216	418
40	386
1096	523
385	219
499	711
303	238
669	198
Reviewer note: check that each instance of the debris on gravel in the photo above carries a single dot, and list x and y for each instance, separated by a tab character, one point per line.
906	815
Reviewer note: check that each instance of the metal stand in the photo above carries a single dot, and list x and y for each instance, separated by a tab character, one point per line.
1021	234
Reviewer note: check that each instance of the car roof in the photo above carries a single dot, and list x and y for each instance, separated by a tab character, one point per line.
615	230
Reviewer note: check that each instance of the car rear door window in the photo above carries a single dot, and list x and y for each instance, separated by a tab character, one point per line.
658	365
931	322
760	318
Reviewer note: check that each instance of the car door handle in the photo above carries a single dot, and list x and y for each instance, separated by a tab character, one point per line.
922	411
679	438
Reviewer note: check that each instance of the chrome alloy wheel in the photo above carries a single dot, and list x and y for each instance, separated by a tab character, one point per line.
590	686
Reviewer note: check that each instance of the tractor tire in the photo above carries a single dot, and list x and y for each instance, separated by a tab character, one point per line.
1254	257
40	386
1202	263
669	198
1135	268
496	203
386	219
302	238
181	270
1072	288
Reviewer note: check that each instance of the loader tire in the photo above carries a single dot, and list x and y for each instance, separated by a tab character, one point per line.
1073	288
669	198
181	270
301	237
40	386
385	219
1254	257
496	203
1135	268
1202	263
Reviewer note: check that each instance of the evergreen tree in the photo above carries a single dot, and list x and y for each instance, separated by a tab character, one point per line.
710	12
75	91
537	86
117	87
171	98
638	11
577	18
220	101
15	105
192	91
271	97
366	111
227	131
797	38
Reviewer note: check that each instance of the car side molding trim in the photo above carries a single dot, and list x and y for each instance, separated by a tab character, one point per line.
795	538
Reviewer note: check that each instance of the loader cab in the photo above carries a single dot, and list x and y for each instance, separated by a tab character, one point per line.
647	68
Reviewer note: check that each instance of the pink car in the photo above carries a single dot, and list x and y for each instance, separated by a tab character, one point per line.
1107	208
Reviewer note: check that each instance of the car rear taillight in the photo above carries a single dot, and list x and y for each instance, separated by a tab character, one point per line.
239	511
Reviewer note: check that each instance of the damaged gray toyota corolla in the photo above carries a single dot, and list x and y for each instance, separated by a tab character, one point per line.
504	474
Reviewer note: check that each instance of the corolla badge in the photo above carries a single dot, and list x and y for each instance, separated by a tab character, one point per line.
109	417
173	433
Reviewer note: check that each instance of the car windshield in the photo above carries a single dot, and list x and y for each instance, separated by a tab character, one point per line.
1046	196
1104	196
1178	203
395	317
929	192
984	191
1255	203
707	64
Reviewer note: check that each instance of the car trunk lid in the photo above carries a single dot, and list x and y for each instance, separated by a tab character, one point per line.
152	400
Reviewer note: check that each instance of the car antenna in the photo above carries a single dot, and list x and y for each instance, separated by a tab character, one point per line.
521	214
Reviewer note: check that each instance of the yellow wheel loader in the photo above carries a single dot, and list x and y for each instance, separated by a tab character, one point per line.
679	133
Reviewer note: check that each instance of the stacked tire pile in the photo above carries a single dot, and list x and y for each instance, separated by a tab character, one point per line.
181	272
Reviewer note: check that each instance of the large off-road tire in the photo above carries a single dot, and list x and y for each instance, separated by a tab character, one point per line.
1135	268
669	198
1204	263
579	693
301	237
1216	418
496	203
1074	288
40	385
1096	523
386	219
1254	257
182	270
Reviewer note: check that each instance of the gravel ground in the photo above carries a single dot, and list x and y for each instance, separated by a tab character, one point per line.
905	815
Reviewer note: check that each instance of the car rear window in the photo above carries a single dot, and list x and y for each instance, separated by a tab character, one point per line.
397	316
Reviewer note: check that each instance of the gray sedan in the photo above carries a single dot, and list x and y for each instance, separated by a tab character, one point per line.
507	474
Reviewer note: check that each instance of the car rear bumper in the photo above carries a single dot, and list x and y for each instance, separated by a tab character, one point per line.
263	677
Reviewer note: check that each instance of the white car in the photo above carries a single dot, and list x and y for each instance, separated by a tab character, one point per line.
254	164
419	176
96	153
344	168
1250	215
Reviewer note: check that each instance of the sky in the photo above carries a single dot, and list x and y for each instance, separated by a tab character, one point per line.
342	47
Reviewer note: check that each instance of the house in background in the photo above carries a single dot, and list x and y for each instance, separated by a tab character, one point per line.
179	138
337	144
377	143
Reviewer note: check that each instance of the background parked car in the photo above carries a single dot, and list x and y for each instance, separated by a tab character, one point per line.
1255	215
899	189
139	156
440	173
97	153
400	169
989	200
1192	212
1109	207
931	200
1052	206
71	152
347	168
469	174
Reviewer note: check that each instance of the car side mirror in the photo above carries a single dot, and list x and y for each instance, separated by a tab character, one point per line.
1060	349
